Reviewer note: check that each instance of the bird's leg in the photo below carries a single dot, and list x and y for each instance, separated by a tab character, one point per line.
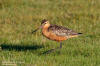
60	45
52	50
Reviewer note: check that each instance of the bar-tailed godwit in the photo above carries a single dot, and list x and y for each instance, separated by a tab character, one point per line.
56	33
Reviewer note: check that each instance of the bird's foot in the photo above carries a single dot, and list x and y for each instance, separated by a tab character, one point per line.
50	51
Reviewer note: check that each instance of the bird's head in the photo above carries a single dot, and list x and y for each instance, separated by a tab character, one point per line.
45	23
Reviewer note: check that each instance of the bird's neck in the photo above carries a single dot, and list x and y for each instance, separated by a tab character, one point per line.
45	30
46	26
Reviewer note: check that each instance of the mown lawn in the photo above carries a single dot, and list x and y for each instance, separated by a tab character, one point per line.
21	48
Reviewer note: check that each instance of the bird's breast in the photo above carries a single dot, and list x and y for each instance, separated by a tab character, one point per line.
50	35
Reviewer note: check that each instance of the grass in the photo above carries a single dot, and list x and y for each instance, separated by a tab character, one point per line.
21	48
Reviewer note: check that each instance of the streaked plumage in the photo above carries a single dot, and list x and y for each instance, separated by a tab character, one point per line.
57	33
61	31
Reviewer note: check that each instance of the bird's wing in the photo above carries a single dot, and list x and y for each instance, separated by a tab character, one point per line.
61	31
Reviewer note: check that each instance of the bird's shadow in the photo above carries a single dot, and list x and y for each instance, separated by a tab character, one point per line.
30	47
19	47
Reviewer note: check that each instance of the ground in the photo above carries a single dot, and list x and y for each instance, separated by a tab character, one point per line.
19	47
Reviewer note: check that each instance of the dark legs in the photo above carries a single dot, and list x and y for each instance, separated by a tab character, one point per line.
60	45
52	50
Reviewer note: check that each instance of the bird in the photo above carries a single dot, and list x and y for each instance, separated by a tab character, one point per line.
56	33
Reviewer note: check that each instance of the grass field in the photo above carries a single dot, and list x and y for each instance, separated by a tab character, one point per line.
21	48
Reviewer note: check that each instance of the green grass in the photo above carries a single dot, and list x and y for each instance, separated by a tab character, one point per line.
19	17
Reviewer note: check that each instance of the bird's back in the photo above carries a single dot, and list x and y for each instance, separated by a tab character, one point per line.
62	31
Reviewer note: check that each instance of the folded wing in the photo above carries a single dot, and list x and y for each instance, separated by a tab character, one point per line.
61	31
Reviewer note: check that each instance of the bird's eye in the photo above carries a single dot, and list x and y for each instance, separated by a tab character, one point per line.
45	23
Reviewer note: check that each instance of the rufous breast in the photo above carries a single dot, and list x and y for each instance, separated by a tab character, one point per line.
52	36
